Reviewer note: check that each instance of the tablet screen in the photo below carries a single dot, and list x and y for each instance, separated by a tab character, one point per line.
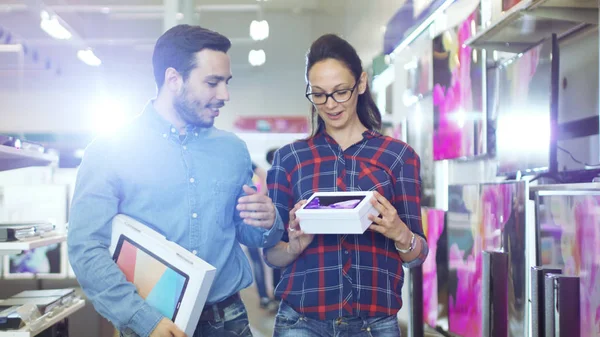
159	283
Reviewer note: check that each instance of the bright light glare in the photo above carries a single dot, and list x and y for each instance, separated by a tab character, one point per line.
523	133
108	116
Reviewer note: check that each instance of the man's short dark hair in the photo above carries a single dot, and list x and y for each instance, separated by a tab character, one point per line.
177	47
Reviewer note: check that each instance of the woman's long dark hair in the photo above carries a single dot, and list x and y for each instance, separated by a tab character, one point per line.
331	46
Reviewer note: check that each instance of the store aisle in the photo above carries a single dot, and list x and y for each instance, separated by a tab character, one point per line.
261	320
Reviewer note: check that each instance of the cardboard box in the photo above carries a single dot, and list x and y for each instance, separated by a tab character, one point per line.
337	213
167	276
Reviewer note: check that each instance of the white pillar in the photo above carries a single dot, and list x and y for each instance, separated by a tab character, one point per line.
171	8
188	9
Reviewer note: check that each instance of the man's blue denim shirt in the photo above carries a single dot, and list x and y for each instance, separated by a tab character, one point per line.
185	188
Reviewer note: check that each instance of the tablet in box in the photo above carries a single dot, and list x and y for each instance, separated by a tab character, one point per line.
337	213
167	276
163	288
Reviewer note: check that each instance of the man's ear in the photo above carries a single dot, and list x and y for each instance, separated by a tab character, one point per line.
173	80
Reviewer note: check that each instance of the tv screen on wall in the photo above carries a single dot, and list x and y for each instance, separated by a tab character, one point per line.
488	217
568	228
435	268
520	110
419	130
458	78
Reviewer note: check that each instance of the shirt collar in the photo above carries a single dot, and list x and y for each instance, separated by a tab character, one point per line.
151	116
322	137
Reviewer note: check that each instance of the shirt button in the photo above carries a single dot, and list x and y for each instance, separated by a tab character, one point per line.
164	135
195	215
195	252
196	134
192	180
173	130
185	147
346	252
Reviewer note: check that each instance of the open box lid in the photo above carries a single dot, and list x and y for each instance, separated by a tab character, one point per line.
333	205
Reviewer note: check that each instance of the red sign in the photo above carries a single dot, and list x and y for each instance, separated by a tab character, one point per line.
272	124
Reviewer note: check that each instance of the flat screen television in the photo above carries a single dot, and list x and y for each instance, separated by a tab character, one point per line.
435	268
42	262
524	108
485	217
568	230
419	130
458	95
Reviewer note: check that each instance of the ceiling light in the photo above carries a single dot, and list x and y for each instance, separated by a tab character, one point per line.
88	57
257	57
259	30
53	27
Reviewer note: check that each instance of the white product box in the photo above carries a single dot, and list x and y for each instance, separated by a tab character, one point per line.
167	276
331	220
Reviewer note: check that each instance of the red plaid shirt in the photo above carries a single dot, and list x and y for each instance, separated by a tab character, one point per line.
347	275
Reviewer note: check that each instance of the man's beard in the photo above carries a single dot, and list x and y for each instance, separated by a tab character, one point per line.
186	110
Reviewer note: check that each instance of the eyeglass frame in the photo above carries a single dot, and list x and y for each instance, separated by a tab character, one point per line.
327	96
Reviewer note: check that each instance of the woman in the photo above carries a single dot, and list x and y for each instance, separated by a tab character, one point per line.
344	285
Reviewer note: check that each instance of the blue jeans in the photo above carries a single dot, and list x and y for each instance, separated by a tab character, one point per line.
234	323
289	323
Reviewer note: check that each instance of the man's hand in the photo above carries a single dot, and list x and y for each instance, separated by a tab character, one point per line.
256	209
166	328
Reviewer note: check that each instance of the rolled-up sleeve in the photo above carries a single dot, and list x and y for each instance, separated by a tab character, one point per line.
95	203
280	192
250	236
408	201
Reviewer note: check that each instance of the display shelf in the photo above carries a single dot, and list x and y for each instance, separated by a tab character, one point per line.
13	158
593	186
16	247
49	321
530	21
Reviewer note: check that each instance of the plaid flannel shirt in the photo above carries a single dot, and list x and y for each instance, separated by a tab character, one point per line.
347	275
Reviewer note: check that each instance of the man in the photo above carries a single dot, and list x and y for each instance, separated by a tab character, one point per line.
174	171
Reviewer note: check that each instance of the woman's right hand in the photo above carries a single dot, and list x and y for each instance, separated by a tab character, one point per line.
298	240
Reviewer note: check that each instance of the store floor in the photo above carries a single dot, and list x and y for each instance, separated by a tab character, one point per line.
261	321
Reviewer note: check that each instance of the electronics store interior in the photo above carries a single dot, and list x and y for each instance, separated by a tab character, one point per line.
499	99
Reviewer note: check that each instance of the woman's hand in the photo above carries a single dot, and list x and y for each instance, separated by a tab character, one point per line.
298	240
389	224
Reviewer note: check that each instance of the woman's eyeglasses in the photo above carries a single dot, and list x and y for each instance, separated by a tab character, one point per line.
340	96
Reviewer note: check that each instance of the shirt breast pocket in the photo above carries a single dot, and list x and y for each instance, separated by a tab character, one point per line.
374	178
223	202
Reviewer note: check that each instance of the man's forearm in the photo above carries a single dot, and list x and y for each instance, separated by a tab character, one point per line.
279	256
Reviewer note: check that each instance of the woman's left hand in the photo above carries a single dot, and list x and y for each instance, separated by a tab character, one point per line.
389	224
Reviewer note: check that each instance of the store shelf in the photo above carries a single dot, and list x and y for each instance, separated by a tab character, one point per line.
11	248
48	322
593	186
13	158
531	21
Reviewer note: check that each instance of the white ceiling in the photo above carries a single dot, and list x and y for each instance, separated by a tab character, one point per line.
126	30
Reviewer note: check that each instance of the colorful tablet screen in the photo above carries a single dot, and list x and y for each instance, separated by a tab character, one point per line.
158	282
